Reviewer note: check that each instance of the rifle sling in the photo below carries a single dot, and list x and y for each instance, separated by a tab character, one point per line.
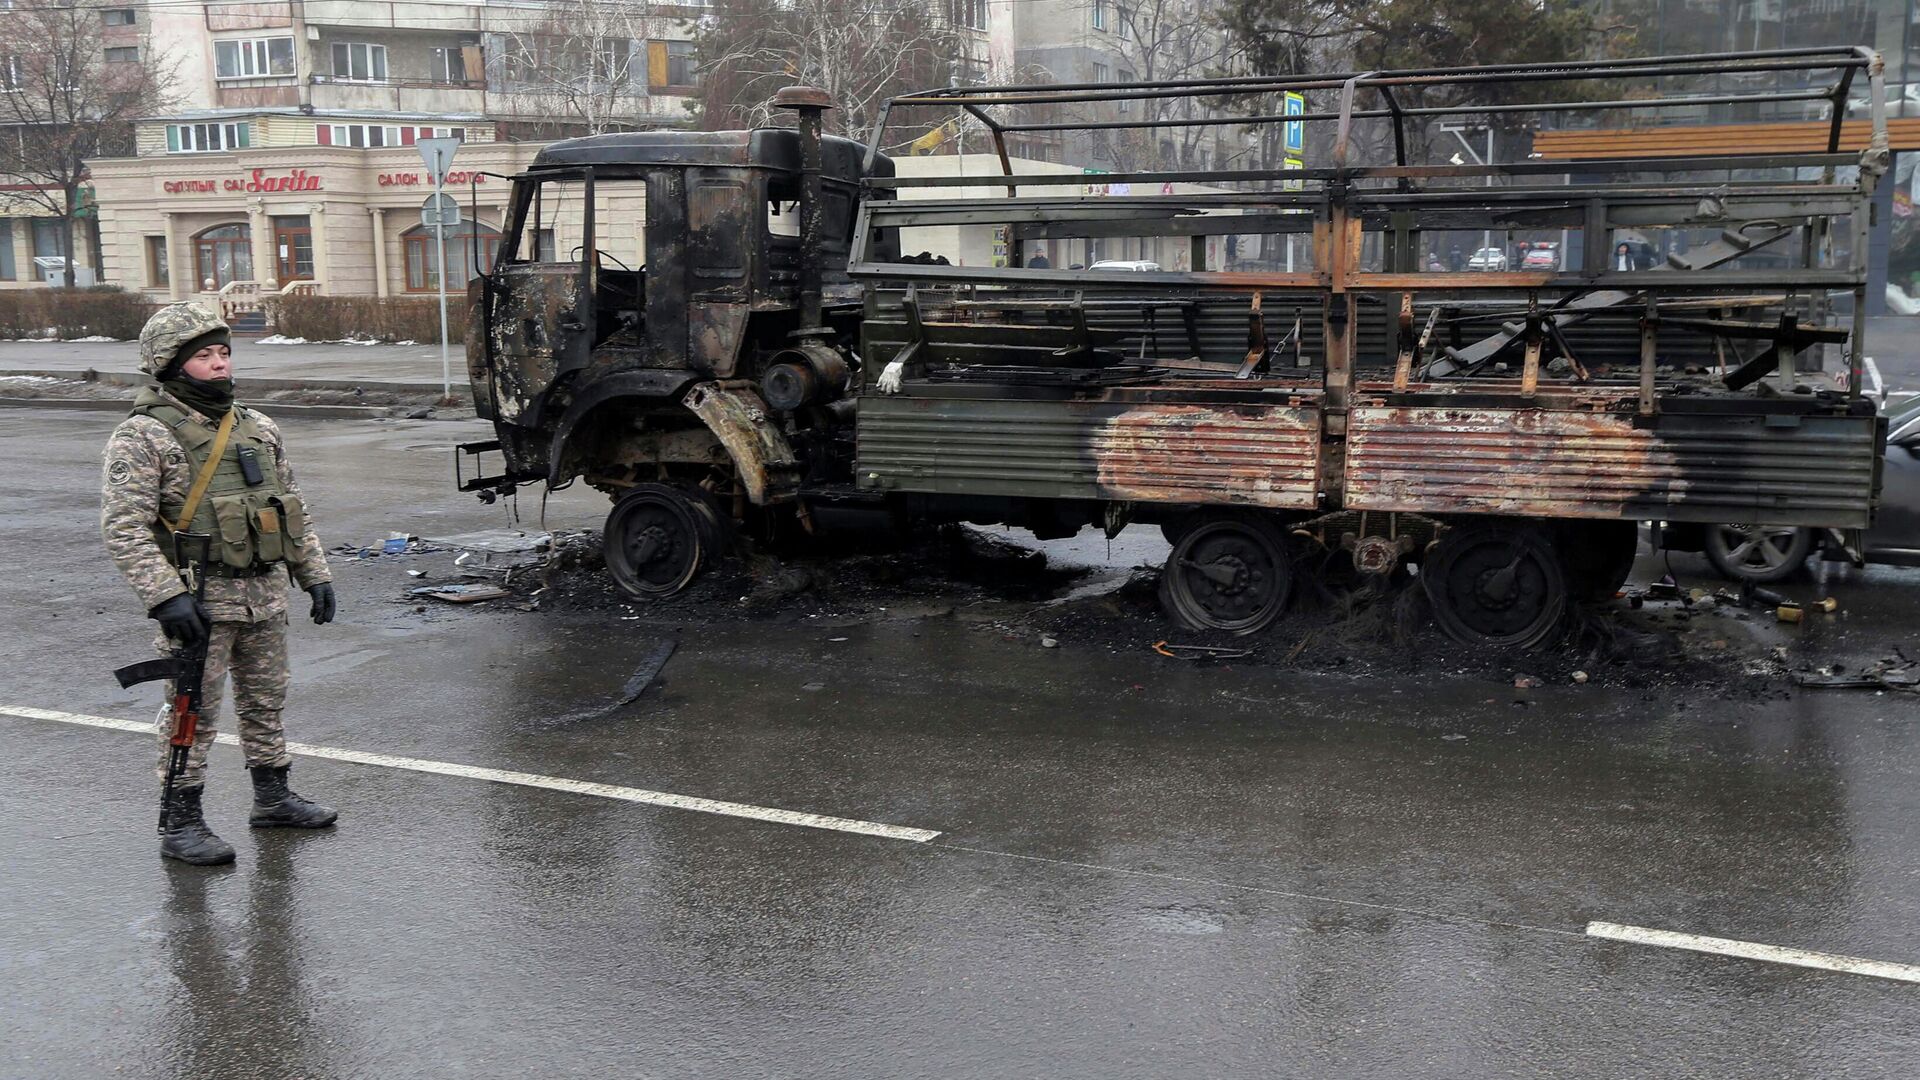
205	477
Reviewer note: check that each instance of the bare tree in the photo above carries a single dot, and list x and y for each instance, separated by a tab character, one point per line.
860	52
580	66
1154	41
63	101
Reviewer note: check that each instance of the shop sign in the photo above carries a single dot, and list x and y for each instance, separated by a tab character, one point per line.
415	179
256	182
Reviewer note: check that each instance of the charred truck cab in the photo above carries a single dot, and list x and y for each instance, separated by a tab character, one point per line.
1358	412
698	384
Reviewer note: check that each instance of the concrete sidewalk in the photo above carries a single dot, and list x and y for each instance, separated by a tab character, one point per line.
409	364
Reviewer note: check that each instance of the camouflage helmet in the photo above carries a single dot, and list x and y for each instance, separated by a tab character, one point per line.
170	328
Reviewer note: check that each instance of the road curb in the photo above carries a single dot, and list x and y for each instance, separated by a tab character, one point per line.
122	378
121	405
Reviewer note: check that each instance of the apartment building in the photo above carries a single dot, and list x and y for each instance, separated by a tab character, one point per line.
1114	41
287	161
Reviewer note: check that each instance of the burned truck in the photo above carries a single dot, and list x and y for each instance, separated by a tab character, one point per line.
771	360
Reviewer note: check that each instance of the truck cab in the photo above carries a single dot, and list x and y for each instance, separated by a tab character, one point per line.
670	312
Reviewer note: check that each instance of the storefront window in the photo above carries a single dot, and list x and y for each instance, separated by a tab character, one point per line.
293	247
223	254
422	259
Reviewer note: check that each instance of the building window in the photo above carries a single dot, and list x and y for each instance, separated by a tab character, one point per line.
123	54
971	14
49	239
9	74
159	273
223	255
119	16
449	65
359	62
293	247
422	255
207	138
1099	14
360	135
1125	77
1101	73
381	135
671	65
253	58
7	268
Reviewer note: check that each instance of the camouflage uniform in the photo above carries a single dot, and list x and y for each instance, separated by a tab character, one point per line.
146	467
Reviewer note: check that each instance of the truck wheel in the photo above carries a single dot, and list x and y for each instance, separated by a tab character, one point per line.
1599	556
655	540
1498	585
1758	553
1227	572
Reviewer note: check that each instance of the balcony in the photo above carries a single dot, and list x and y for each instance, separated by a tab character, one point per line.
418	96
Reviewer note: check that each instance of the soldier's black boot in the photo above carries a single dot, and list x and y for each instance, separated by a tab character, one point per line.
187	837
276	806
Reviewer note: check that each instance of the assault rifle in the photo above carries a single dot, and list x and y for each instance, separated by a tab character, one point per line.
187	666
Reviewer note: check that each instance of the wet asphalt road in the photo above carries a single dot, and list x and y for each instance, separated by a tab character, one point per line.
1144	869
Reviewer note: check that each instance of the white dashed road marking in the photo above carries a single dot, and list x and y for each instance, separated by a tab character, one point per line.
533	780
1668	939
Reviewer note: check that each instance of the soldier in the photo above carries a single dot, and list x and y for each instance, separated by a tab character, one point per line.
157	480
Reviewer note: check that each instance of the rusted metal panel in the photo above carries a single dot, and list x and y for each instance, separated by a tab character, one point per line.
1747	468
1253	455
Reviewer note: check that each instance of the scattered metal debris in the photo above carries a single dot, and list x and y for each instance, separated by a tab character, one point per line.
647	672
1198	652
461	594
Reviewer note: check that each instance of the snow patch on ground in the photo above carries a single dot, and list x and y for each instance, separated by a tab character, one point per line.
49	334
282	339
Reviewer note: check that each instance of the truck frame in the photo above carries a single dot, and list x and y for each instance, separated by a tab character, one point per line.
1499	434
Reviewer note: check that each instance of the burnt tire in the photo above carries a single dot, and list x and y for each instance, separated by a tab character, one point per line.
656	541
1498	585
1761	554
1228	572
1599	557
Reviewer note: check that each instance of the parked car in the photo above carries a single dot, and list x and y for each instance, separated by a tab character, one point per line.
1540	258
1135	265
1764	554
1488	258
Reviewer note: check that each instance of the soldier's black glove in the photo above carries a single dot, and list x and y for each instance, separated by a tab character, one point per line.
322	603
182	619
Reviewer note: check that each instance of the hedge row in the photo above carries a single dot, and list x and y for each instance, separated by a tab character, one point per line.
365	318
103	311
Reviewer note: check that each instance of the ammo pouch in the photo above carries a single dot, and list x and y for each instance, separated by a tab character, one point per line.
258	526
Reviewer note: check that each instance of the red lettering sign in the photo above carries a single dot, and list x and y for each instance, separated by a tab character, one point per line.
188	187
296	180
414	179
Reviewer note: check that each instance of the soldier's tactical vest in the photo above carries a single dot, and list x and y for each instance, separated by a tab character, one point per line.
253	525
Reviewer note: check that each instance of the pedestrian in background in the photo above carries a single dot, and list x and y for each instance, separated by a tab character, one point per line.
191	459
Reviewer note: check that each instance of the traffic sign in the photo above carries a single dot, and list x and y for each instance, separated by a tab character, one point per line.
438	155
1296	129
442	210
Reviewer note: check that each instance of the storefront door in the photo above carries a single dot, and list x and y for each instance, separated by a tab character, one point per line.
293	247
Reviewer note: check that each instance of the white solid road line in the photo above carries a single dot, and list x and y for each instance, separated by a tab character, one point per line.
533	780
1668	939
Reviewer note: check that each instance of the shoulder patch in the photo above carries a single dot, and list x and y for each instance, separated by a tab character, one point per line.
119	471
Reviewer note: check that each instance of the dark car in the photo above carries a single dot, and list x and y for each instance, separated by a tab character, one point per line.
1761	553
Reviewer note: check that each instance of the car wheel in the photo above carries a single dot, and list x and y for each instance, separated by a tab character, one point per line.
1758	553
